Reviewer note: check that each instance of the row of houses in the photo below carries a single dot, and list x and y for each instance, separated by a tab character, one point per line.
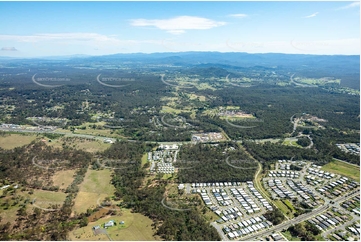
352	148
290	174
284	166
279	189
246	227
355	229
220	195
353	205
169	147
320	173
338	187
300	189
313	180
206	198
216	184
245	200
229	214
327	221
259	196
167	168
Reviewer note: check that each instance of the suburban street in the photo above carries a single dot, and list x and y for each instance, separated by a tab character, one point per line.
300	218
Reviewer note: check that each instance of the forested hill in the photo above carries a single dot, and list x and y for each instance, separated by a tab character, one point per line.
344	67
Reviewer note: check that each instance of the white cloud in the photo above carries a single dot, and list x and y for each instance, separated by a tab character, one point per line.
57	37
311	16
72	38
238	15
351	5
178	25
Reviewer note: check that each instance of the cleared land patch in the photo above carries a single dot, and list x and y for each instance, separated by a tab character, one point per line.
95	187
88	145
343	169
15	140
43	200
97	182
63	178
136	227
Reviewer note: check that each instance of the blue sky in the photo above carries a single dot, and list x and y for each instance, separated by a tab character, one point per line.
30	29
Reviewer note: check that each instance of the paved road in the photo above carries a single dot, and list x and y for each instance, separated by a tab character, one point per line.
297	220
294	124
219	230
87	136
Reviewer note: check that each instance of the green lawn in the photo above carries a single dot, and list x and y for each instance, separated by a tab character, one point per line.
289	205
288	236
284	208
341	168
97	182
144	159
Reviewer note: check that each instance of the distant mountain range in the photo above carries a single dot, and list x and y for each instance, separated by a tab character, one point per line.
345	67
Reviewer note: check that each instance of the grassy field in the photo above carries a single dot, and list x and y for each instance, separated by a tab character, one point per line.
166	176
291	143
15	140
193	96
97	182
89	131
63	178
343	169
284	208
144	159
136	227
43	199
85	200
81	144
95	187
289	205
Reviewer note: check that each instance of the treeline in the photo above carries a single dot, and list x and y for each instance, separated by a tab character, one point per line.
326	140
275	216
270	152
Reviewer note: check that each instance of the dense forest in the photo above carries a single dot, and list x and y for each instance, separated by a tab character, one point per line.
214	163
138	106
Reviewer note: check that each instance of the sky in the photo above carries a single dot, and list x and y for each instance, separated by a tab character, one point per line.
34	29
